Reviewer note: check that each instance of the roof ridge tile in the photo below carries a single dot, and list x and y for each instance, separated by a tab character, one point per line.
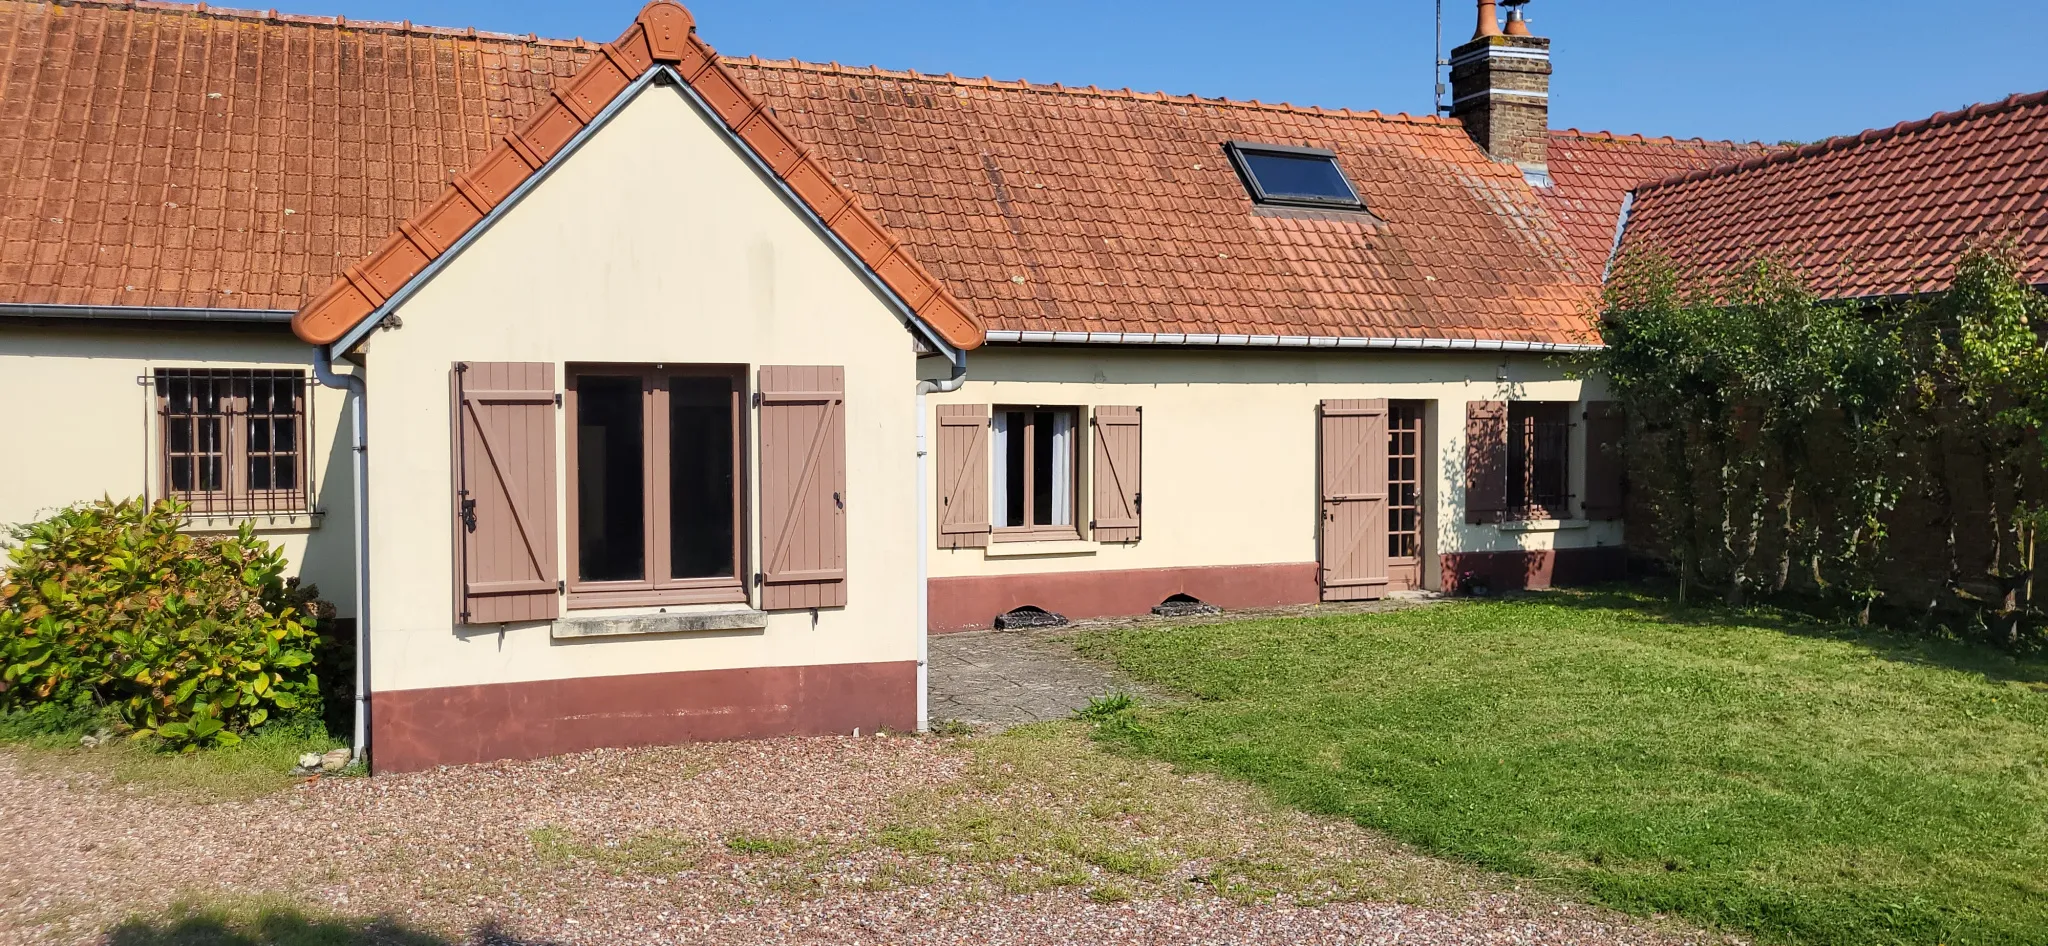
1868	136
1056	88
403	27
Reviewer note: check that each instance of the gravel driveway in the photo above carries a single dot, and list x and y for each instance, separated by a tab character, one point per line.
760	842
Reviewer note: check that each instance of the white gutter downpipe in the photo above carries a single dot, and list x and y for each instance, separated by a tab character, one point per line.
924	538
323	369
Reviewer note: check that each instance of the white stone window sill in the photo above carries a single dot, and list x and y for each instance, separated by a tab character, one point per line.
1058	547
675	622
1545	525
263	521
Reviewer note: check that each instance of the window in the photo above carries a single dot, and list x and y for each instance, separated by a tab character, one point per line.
654	482
1404	480
1539	459
1287	175
1032	459
232	441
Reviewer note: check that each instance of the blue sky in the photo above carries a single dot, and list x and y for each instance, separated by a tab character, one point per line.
1750	69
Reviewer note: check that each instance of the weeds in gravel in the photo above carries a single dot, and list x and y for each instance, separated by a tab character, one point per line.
887	876
652	852
1075	814
1108	893
259	765
761	844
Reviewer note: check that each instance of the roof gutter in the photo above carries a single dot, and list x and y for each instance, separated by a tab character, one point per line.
1286	341
1628	206
144	313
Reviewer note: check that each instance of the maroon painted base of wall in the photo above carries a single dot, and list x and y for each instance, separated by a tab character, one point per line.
965	603
417	729
1518	570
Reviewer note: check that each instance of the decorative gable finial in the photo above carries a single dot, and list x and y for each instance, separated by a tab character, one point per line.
668	28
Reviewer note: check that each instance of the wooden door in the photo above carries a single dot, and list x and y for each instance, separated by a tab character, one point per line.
1353	531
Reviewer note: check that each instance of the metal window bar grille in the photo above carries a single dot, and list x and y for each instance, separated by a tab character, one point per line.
1404	480
1540	469
232	441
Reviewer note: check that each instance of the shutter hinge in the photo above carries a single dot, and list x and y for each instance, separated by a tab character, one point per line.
561	587
757	579
757	399
468	513
1137	502
558	399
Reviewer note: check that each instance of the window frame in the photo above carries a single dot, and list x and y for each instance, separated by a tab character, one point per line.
656	588
1238	149
235	497
1029	531
1523	420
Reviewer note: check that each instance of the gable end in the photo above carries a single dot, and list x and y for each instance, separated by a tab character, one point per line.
662	38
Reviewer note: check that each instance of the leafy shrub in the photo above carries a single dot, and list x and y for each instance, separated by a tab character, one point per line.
192	639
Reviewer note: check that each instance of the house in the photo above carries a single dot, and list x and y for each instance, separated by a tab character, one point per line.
624	393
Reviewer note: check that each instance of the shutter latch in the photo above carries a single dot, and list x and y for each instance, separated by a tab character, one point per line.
468	512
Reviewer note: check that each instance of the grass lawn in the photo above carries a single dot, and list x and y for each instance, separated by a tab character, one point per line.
1803	783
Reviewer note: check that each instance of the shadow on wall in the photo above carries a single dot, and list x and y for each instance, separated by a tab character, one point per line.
273	926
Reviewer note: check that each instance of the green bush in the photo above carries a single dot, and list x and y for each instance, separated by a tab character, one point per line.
191	639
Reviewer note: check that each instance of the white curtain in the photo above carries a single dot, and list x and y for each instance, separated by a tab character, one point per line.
1062	469
999	471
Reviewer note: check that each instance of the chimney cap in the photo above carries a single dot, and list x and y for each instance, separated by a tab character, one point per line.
1518	24
1489	20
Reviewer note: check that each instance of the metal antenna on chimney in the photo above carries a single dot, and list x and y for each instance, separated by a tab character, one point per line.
1437	74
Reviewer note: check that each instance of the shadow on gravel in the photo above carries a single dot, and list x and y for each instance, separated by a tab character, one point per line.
274	927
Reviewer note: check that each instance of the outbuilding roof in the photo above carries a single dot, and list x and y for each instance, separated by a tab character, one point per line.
1883	213
177	156
1592	172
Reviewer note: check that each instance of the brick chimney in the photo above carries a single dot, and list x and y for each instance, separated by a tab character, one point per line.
1500	90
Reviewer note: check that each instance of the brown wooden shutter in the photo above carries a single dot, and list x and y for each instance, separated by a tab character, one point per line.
1606	465
1118	473
1353	451
962	470
1486	460
803	487
505	417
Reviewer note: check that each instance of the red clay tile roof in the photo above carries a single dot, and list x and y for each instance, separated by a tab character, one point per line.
1882	213
1051	208
151	153
1592	171
154	155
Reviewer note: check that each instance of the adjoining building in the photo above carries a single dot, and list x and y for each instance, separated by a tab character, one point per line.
626	392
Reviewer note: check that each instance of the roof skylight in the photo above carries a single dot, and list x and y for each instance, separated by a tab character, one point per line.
1293	176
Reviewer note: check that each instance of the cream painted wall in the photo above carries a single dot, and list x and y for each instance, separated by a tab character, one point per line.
655	243
79	427
1230	447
